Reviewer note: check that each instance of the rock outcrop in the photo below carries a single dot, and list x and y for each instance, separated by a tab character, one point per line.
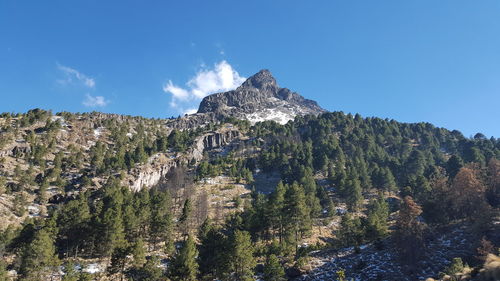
259	98
150	174
219	139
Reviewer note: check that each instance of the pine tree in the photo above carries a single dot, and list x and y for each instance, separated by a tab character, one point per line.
118	261
70	273
354	197
74	224
161	217
139	253
350	232
185	216
415	164
214	249
378	213
130	221
242	259
273	270
42	192
388	180
111	234
151	271
184	266
455	267
311	190
275	210
454	164
296	213
39	257
142	206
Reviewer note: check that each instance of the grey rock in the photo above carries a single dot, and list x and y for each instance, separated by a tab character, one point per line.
259	98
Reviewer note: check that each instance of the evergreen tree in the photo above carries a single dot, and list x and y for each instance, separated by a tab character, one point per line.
142	206
139	253
350	232
70	273
74	225
184	266
354	197
311	190
378	213
111	233
453	165
151	271
39	257
214	249
242	259
275	210
118	261
273	270
185	216
296	213
161	217
388	180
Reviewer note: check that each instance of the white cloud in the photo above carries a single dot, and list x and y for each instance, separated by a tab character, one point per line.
221	78
97	101
190	111
72	75
177	92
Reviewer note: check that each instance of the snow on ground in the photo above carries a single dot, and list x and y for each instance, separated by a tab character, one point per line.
93	268
33	210
61	120
372	263
268	114
98	132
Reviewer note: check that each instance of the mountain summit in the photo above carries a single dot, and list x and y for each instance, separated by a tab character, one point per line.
259	98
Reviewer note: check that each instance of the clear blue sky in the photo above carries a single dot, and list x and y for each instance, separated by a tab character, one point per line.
426	60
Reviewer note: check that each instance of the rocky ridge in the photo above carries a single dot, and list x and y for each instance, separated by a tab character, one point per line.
259	98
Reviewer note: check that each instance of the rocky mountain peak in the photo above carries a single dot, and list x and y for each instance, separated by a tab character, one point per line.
261	80
259	98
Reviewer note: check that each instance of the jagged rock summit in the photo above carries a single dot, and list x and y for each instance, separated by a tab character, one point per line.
259	98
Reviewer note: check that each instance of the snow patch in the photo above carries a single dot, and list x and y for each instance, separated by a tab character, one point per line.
270	115
98	132
93	268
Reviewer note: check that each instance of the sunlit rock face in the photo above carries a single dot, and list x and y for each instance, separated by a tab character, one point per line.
259	98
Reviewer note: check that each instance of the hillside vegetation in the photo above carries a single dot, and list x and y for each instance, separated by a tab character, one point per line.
335	196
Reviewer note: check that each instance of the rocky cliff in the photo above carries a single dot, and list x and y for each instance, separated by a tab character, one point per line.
259	98
157	167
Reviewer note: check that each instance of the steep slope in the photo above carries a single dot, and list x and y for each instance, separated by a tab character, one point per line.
259	98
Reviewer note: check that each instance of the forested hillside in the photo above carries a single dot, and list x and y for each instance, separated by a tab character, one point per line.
326	197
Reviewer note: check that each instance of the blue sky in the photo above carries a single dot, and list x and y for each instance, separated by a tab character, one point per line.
426	60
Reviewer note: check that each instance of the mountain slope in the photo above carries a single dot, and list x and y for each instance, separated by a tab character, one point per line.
100	181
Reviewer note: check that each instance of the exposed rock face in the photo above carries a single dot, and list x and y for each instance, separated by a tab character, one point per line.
259	98
213	140
193	121
218	139
157	167
149	174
